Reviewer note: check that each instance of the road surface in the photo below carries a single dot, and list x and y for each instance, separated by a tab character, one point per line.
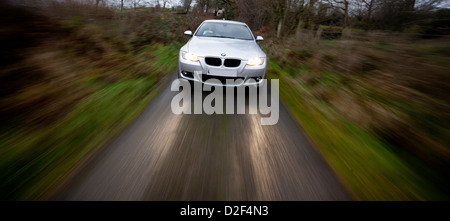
164	156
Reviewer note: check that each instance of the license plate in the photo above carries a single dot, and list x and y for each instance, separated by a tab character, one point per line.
220	72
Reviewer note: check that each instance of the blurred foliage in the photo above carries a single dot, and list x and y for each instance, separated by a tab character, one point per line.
391	90
72	81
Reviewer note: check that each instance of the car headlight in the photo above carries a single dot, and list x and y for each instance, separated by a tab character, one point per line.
255	61
189	56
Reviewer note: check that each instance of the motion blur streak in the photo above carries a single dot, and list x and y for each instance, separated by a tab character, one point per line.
287	167
163	156
124	170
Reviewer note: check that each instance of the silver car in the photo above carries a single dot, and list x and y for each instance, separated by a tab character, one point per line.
223	50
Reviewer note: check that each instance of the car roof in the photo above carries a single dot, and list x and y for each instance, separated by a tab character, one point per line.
225	21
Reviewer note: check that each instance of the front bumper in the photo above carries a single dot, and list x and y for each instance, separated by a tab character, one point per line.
201	72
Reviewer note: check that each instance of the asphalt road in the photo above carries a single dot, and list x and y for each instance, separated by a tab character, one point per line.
164	156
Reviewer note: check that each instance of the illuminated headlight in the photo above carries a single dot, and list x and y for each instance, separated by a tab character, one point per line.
255	61
189	56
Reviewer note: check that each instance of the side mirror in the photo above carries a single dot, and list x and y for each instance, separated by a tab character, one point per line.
259	38
188	33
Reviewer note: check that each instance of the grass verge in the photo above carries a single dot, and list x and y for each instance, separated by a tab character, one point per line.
366	165
36	160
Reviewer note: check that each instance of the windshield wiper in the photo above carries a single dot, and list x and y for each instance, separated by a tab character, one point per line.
219	36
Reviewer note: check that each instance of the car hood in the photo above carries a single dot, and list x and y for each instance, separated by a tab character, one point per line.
233	48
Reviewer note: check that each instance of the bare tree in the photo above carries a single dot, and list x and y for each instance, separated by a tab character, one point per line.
369	6
97	2
300	12
344	6
279	8
427	5
310	11
165	3
186	5
157	4
253	12
203	4
136	3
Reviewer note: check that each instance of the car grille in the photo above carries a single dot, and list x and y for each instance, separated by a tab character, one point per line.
232	63
213	61
222	80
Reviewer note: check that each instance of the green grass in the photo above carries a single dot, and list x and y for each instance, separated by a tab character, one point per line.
167	56
364	163
33	161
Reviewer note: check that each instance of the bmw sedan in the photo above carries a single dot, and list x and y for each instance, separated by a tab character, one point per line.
223	50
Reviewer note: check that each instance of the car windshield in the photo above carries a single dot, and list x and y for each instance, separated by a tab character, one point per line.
224	30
